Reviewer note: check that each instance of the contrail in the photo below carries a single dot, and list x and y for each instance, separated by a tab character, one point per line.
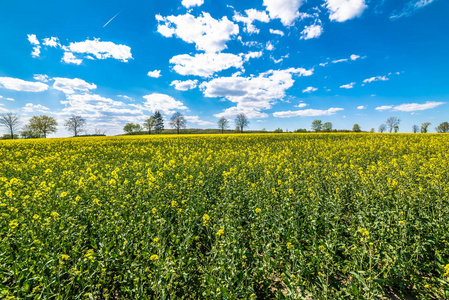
111	19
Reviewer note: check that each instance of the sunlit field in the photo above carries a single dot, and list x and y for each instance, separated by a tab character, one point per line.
315	216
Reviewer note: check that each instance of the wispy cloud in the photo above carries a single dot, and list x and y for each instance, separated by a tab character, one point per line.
111	19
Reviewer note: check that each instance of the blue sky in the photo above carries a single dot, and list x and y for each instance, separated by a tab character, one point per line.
282	62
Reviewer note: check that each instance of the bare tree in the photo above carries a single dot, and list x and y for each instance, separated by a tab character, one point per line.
442	128
392	123
382	128
43	125
99	131
424	127
223	124
241	120
149	124
178	121
10	121
75	124
415	128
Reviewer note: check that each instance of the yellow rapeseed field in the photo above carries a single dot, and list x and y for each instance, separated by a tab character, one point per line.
316	216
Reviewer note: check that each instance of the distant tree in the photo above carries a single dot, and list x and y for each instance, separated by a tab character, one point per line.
317	125
223	124
442	128
149	124
75	124
396	129
237	128
28	133
278	130
10	121
300	130
159	122
178	121
241	120
327	126
382	128
131	127
424	127
392	122
415	128
7	136
42	125
356	128
372	130
99	131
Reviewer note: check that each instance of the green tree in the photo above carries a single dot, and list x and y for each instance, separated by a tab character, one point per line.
42	125
396	129
75	124
372	130
10	121
278	130
131	127
424	127
356	128
159	122
178	121
223	124
241	120
149	124
327	126
442	128
317	125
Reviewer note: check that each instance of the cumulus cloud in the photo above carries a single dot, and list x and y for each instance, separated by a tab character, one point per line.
354	56
30	107
252	94
409	8
154	74
375	78
196	120
206	64
192	3
307	112
41	77
343	10
409	107
51	42
69	58
285	10
162	102
309	89
278	32
207	33
100	50
311	32
384	107
22	85
302	104
33	39
70	86
361	107
184	85
251	16
348	86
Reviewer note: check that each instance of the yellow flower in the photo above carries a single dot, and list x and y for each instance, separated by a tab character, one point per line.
220	232
154	257
258	210
65	256
63	194
54	214
206	219
289	245
154	210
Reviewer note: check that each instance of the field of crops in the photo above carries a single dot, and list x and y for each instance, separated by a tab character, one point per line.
315	216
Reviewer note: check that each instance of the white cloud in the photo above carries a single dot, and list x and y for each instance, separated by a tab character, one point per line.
348	86
384	107
69	58
196	120
309	89
361	107
205	64
4	98
41	77
300	105
250	112
375	78
207	33
36	51
311	32
164	103
323	64
126	97
269	46
154	74
343	10
70	86
22	85
354	57
3	110
101	50
191	3
33	39
184	85
278	32
339	60
307	112
410	7
30	107
51	42
251	16
285	10
408	107
252	94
